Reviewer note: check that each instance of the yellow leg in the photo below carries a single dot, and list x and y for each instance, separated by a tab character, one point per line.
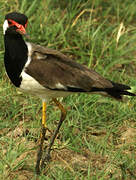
44	114
63	111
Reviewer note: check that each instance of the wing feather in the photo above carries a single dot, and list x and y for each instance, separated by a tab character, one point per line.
56	71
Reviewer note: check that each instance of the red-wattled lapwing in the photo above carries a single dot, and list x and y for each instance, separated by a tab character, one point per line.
48	73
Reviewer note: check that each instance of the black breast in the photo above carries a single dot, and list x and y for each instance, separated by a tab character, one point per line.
15	57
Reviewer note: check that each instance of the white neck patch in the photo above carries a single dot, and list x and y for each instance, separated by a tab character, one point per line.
29	46
5	26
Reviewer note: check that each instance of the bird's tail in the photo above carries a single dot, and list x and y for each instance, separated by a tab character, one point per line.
118	90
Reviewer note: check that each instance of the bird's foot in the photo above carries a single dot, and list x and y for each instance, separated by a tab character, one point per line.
45	160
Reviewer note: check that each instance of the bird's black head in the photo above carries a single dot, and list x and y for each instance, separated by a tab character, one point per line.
15	23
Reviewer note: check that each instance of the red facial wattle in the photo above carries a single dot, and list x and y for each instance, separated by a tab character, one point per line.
20	27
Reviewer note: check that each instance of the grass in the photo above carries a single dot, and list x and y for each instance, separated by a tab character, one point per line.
98	137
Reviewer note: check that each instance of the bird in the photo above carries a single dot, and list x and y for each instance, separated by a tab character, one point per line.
49	74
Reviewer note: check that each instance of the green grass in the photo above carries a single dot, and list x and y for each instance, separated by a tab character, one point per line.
98	137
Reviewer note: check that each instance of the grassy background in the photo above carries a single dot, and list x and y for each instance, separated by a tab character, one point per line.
98	137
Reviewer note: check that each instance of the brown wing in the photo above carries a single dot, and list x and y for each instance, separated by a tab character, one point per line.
54	70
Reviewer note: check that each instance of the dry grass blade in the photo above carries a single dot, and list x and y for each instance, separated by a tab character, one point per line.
121	31
80	14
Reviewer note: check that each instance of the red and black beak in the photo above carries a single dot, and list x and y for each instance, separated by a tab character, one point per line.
21	30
